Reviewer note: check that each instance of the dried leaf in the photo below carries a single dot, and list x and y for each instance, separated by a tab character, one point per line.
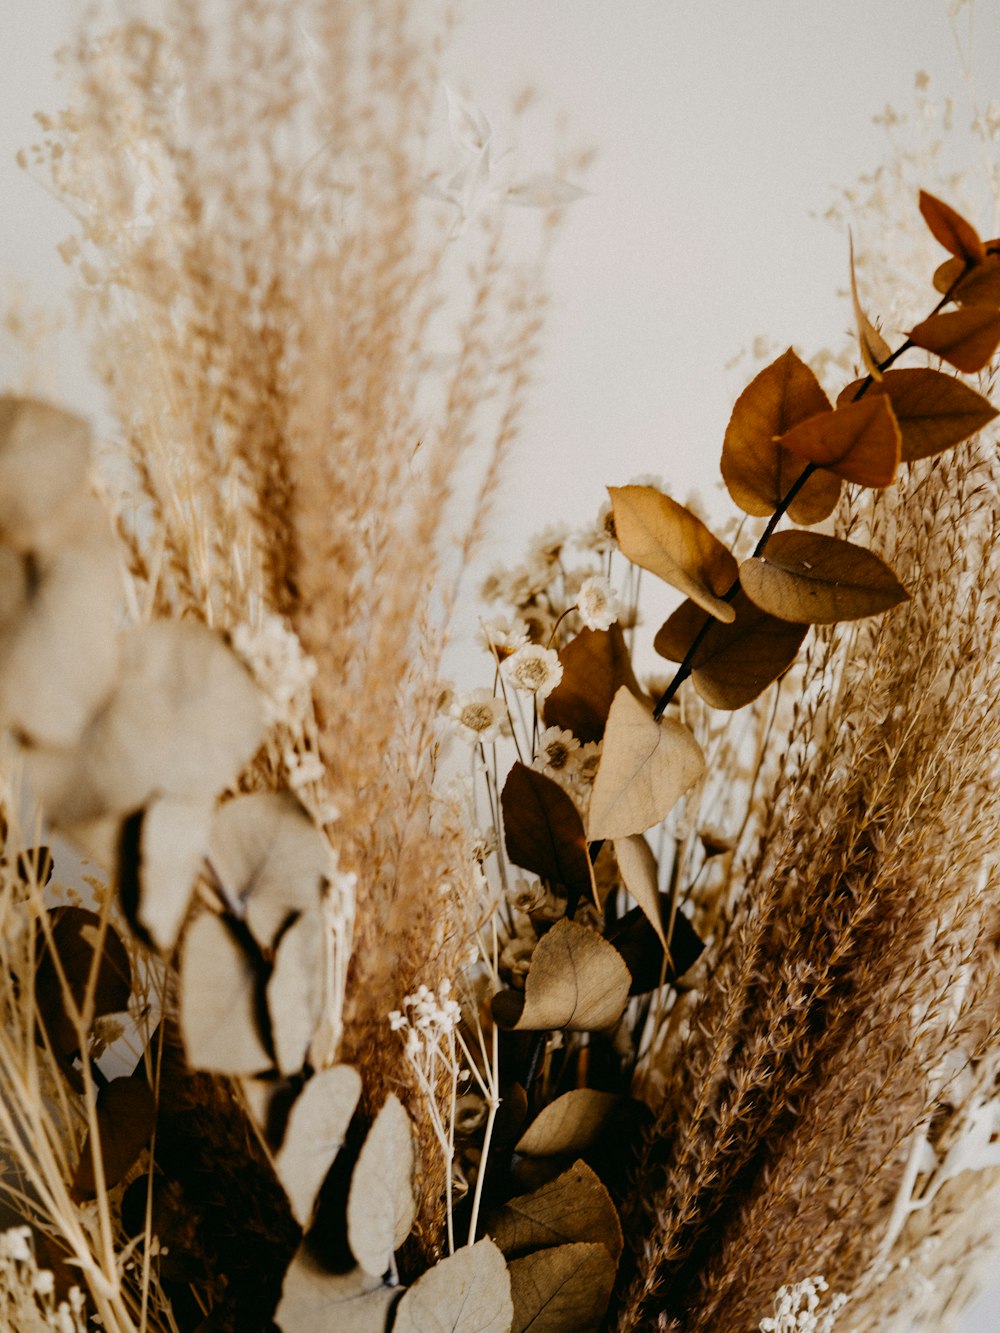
576	981
814	579
543	830
935	411
662	536
951	229
381	1205
220	1000
859	441
570	1124
645	769
733	663
977	286
317	1125
874	348
44	465
295	990
757	471
126	1114
575	1206
965	338
269	860
568	1286
642	949
76	933
172	844
596	664
468	1292
316	1301
637	865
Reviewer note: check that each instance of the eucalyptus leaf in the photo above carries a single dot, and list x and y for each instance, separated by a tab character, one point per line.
317	1126
381	1204
467	1292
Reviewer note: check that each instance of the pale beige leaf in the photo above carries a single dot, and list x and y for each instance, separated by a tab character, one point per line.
811	578
315	1301
646	767
172	845
219	1001
381	1205
44	462
575	1206
570	1124
468	1292
641	878
269	860
317	1125
567	1287
576	981
295	990
662	536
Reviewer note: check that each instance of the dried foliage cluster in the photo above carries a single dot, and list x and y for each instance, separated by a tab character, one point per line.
678	1012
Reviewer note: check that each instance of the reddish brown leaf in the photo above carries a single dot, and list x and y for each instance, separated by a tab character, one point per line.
965	338
858	442
543	830
596	664
935	411
814	579
976	286
951	229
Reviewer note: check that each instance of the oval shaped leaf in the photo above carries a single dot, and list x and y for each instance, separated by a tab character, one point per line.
317	1125
126	1114
44	462
757	471
951	229
976	286
314	1300
965	338
381	1205
568	1286
645	769
172	844
596	664
220	1000
467	1292
662	536
934	411
576	981
570	1124
733	663
640	876
859	441
575	1206
814	579
543	830
295	991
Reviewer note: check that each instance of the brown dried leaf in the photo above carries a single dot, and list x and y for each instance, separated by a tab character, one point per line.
637	865
575	1206
935	411
874	348
381	1204
317	1125
76	932
956	234
965	338
734	663
645	769
570	1124
172	844
269	860
642	949
662	536
977	286
859	441
576	981
814	579
126	1114
568	1286
316	1301
220	1000
756	470
468	1292
44	465
295	990
543	830
595	665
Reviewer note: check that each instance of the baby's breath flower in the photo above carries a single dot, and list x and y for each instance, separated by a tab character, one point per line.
273	652
534	669
797	1308
555	752
479	717
597	603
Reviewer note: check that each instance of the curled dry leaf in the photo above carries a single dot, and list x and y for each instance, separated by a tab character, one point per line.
965	338
269	860
757	471
640	875
316	1301
172	842
934	411
126	1114
75	939
220	1000
874	348
568	1286
576	981
295	990
733	663
317	1126
662	536
543	830
573	1207
859	441
381	1205
956	234
467	1292
44	462
570	1124
814	579
645	769
596	664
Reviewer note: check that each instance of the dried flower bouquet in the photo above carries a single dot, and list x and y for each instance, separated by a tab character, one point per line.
678	1011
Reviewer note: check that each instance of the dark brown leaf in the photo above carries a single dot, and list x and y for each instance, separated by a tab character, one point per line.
543	831
639	945
126	1114
76	936
596	664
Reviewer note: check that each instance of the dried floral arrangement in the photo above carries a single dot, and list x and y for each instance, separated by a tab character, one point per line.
680	1010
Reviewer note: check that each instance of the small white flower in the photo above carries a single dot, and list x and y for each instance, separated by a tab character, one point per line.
534	669
503	636
555	752
479	717
597	603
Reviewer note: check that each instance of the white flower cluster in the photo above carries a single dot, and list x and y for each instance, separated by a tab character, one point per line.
27	1292
427	1019
273	652
797	1308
